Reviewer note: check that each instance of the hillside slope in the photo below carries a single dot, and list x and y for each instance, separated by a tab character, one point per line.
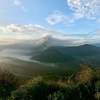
83	50
51	55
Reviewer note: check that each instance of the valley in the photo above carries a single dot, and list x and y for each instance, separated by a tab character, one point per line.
55	60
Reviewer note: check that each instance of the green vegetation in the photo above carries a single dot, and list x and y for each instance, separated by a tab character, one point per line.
83	50
70	56
27	70
8	83
84	85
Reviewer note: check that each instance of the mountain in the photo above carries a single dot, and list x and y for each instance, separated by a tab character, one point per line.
97	44
61	53
52	55
83	50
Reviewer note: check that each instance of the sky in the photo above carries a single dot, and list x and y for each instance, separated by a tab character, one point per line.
77	20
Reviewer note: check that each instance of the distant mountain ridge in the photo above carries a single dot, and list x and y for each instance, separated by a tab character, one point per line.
64	54
52	55
83	50
96	44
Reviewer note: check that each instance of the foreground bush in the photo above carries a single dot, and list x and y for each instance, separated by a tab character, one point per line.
56	96
36	89
8	83
85	85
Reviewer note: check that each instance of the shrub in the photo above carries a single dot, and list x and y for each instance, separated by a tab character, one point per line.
36	89
85	75
56	96
97	96
8	83
84	86
97	89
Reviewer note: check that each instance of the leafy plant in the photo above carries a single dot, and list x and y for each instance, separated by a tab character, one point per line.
8	83
56	96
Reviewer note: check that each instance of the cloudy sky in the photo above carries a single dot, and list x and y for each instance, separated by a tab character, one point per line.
62	19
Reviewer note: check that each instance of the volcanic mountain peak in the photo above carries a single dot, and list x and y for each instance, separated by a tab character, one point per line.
51	55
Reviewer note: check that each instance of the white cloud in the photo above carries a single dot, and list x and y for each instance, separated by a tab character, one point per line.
47	35
43	35
18	3
56	17
23	8
89	9
29	31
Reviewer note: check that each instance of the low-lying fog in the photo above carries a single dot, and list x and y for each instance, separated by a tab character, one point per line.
16	50
21	50
15	54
